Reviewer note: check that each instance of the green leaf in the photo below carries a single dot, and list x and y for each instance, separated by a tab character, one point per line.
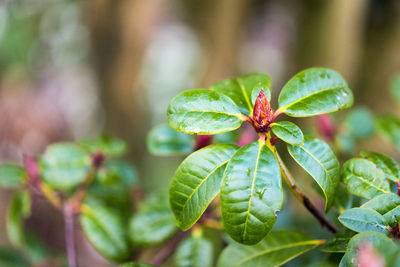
203	111
360	122
105	231
363	179
386	204
395	88
381	243
337	243
152	225
19	209
315	91
344	262
136	264
12	258
117	171
389	166
363	219
251	193
165	141
276	249
197	182
288	132
240	90
64	165
110	147
195	251
11	176
318	159
389	127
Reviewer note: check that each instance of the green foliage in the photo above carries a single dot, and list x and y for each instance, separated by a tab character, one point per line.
11	176
18	210
389	166
12	258
203	111
108	146
197	182
251	193
386	204
274	250
105	231
364	179
152	224
64	166
243	90
315	91
363	219
338	242
389	127
288	132
360	123
165	141
316	157
195	251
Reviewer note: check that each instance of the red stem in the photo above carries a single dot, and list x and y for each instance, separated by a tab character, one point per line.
169	249
398	187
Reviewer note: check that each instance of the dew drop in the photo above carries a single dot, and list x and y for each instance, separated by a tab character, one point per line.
276	213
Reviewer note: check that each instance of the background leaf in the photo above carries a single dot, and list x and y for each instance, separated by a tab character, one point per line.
240	90
360	122
363	179
251	193
288	132
195	251
386	204
363	219
203	111
317	158
381	243
315	91
12	258
18	210
276	249
395	88
197	182
64	165
389	127
110	147
105	231
152	224
11	176
389	166
165	141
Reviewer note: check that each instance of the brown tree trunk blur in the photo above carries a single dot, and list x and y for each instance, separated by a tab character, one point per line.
120	32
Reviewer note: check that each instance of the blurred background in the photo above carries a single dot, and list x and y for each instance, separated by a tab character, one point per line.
71	70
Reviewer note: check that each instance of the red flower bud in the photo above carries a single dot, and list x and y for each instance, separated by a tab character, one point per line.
262	113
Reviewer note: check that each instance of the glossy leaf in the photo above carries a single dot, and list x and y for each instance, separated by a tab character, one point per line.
251	193
388	165
363	219
381	243
18	210
288	132
203	111
389	127
11	176
276	249
360	123
317	158
386	204
240	90
363	179
105	231
64	165
197	182
344	262
315	91
165	141
153	224
337	243
110	147
195	251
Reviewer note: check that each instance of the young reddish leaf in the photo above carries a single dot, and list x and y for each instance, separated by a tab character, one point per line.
262	113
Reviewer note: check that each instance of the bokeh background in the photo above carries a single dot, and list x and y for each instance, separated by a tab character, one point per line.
70	70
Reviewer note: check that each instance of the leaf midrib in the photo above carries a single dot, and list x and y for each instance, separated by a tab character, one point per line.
251	190
207	111
308	242
283	109
368	182
361	221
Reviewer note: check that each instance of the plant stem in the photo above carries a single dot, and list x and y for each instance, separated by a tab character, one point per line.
288	178
70	235
169	249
